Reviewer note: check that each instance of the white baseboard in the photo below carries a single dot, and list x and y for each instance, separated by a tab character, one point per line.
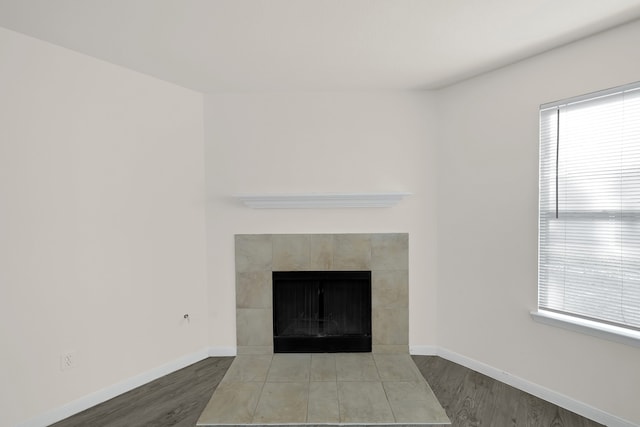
423	350
114	390
544	393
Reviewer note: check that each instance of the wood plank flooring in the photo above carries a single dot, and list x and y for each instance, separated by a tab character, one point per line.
174	400
472	399
469	398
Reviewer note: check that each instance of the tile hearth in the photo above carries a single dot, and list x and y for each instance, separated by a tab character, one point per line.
323	389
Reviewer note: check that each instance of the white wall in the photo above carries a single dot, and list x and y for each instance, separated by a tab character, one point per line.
487	224
102	225
312	142
102	222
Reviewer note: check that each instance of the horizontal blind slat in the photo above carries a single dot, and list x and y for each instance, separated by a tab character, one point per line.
589	255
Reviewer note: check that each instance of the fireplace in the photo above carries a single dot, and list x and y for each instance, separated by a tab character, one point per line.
384	255
321	311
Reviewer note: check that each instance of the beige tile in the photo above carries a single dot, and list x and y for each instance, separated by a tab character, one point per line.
255	349
253	252
231	403
386	349
290	252
352	252
414	402
398	391
356	367
390	289
246	368
390	251
396	367
290	368
390	326
253	289
254	326
323	367
412	412
282	403
321	252
363	402
323	403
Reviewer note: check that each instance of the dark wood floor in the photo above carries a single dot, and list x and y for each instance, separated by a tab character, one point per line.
176	400
470	399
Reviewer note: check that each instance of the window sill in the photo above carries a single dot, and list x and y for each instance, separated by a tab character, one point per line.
589	327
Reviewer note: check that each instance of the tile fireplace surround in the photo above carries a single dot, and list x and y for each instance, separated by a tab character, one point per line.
386	255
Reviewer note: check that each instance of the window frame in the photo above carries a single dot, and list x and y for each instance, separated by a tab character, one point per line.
577	323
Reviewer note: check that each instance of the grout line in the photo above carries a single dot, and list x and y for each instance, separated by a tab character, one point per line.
384	389
306	418
335	368
253	412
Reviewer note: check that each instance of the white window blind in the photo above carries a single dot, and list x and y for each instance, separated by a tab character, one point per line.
589	217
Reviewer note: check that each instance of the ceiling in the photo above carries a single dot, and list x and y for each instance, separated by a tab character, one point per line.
312	45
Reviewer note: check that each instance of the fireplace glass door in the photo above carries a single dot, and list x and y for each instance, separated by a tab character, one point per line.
321	311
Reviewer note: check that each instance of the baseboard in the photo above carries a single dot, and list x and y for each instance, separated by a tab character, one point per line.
423	350
114	390
544	393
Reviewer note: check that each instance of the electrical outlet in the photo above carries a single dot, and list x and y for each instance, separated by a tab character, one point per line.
68	360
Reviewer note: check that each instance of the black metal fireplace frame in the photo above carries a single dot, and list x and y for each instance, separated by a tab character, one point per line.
321	343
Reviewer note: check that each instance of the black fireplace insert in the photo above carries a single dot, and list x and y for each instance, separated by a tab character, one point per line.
321	311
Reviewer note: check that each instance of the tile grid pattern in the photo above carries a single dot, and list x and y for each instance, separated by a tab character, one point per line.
386	255
351	388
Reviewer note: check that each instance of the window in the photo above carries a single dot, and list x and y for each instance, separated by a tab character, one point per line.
589	210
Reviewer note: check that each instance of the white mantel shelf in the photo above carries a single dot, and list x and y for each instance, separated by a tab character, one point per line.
321	200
